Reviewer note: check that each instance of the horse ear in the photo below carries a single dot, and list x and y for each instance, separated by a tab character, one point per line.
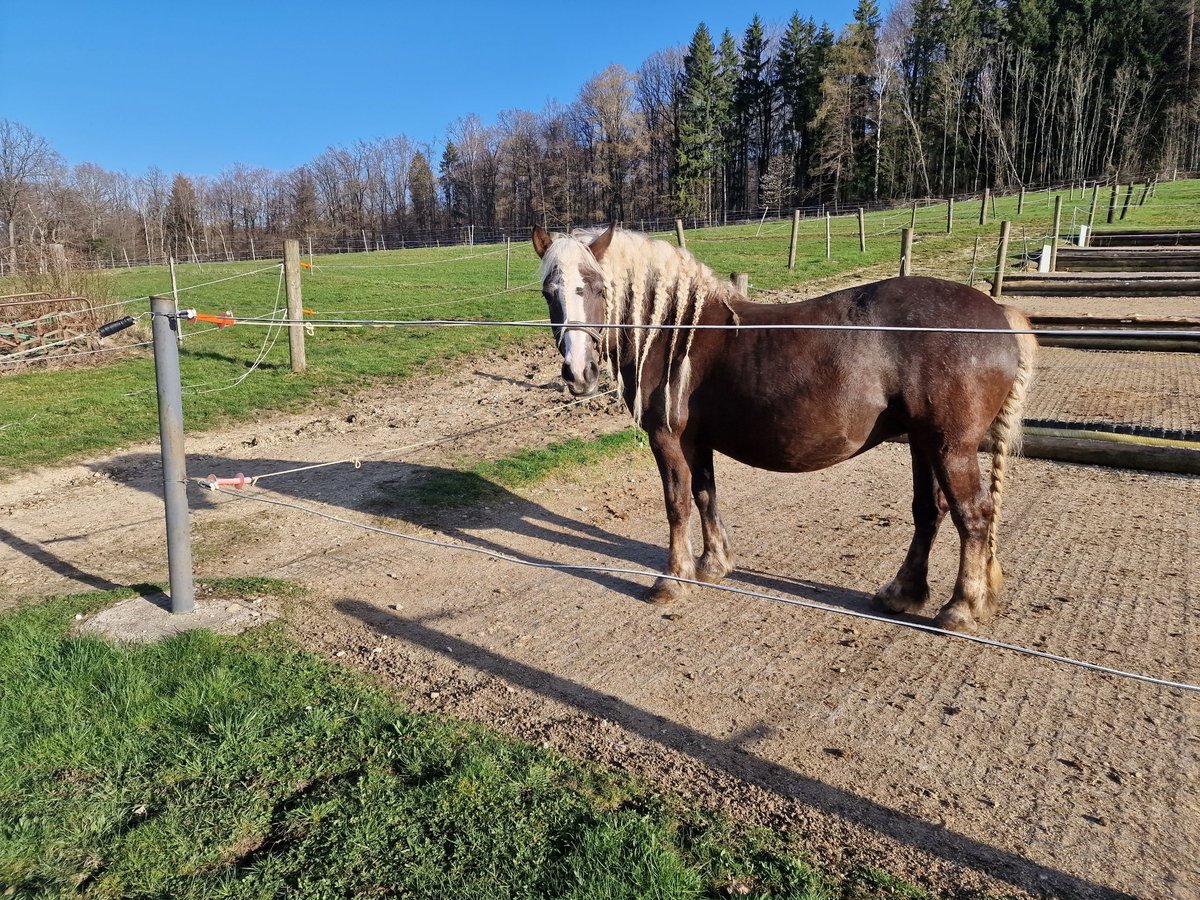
600	245
541	240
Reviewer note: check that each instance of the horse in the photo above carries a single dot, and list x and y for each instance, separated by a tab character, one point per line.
798	399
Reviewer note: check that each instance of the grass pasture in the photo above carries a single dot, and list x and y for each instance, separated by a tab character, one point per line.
50	415
244	768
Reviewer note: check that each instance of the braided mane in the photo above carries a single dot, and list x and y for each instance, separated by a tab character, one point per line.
652	282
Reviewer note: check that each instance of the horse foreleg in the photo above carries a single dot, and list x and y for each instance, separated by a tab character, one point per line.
716	561
676	474
909	590
971	509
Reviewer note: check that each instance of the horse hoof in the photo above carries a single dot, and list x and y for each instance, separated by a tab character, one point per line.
956	618
893	598
665	591
711	572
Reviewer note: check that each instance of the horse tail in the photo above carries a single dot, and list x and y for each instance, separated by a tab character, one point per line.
1006	433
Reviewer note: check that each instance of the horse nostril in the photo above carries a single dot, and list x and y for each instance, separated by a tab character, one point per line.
567	374
593	372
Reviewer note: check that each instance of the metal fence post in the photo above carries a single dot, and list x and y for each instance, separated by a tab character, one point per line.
170	429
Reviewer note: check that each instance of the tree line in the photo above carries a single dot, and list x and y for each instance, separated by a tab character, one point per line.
933	98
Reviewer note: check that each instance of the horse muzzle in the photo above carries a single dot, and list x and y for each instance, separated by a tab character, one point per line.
583	384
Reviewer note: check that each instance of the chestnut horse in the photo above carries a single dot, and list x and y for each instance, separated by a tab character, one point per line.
794	400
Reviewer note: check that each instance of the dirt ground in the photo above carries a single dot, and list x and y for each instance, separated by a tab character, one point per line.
961	767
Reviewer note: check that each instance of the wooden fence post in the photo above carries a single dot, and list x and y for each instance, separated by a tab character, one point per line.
906	237
175	297
1128	197
1001	259
1054	235
950	216
983	207
1021	201
1145	192
679	233
295	303
913	223
1112	202
862	231
795	236
741	281
1092	210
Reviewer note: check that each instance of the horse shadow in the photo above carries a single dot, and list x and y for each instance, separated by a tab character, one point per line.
465	508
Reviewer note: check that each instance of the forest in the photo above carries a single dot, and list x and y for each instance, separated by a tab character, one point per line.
930	98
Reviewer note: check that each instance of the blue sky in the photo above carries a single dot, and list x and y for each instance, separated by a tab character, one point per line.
195	87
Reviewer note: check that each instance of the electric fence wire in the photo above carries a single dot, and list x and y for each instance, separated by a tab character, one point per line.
745	592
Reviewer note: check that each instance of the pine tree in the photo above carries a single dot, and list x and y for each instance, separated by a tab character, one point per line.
755	104
696	151
422	192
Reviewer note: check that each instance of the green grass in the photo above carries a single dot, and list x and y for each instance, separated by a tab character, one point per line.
243	767
49	416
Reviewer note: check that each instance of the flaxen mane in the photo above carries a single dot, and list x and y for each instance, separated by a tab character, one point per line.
651	282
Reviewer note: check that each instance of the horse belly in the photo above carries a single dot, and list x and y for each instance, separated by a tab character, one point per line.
794	443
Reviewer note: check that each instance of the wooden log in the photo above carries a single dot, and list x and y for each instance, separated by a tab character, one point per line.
862	231
983	207
679	233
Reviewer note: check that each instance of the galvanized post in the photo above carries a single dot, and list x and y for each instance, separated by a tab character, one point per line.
950	216
828	238
170	429
507	260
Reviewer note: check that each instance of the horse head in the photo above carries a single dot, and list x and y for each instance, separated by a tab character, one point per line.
573	285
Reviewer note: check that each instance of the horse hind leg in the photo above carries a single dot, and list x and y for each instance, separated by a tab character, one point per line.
909	590
716	561
972	509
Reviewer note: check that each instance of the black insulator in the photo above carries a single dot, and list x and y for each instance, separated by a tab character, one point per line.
108	329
